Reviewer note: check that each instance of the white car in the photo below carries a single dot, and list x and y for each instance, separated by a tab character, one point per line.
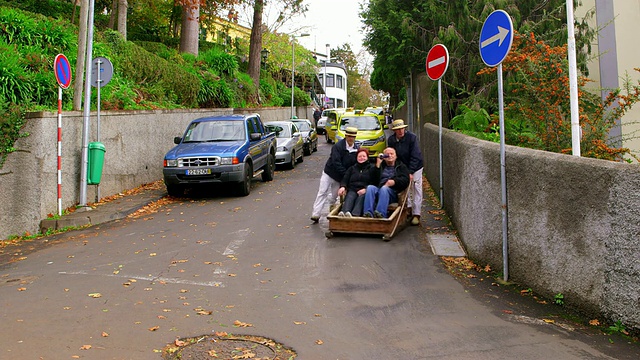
322	122
289	140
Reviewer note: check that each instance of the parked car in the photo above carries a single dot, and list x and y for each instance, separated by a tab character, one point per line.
370	130
289	140
221	149
320	126
332	123
309	135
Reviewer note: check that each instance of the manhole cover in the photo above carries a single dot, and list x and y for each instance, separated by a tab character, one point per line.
227	347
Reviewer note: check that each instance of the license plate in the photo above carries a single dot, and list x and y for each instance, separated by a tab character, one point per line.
199	172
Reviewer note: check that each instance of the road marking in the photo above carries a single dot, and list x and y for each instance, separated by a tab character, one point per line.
150	278
436	62
235	244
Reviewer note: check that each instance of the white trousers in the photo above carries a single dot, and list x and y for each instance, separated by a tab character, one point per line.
327	192
415	193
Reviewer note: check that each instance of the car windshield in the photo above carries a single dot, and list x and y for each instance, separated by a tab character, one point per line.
219	130
303	125
374	111
360	122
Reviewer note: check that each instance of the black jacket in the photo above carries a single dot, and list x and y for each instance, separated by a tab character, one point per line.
359	176
408	150
339	160
401	176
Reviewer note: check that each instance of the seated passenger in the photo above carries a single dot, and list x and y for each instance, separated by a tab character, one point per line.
354	184
394	178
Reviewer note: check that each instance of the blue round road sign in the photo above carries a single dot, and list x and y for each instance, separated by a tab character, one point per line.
496	38
62	69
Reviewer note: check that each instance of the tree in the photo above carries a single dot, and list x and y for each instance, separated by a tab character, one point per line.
255	43
400	33
122	17
255	46
190	29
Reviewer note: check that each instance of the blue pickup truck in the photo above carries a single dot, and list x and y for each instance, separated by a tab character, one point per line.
221	149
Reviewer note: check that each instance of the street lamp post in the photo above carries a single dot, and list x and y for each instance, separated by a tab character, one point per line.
293	66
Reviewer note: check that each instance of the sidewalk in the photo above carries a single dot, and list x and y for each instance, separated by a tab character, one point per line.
108	209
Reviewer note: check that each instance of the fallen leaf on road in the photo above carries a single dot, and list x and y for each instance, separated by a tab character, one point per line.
94	295
179	342
154	328
319	342
105	334
22	289
549	321
594	322
239	323
300	322
85	347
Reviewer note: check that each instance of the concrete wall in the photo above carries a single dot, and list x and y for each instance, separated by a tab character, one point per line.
135	143
573	223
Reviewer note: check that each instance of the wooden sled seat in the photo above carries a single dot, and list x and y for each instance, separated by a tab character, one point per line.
399	216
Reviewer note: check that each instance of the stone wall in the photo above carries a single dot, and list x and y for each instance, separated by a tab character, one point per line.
573	223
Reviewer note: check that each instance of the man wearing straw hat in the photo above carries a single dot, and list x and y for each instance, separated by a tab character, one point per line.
408	150
343	155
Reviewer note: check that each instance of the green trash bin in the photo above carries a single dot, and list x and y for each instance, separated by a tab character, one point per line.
96	160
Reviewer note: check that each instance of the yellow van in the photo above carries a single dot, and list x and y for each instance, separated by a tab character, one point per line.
370	130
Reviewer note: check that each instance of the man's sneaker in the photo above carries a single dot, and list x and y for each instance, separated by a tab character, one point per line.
377	214
341	213
367	215
347	214
416	220
315	219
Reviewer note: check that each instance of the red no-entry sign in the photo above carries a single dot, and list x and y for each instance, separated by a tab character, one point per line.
437	61
62	69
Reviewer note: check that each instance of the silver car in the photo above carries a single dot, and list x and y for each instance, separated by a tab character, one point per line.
309	135
290	142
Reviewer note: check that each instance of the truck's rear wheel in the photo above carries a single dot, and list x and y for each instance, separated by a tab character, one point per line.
269	168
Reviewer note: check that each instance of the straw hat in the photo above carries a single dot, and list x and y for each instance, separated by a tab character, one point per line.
351	131
398	124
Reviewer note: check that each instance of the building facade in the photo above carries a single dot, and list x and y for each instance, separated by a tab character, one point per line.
615	56
333	77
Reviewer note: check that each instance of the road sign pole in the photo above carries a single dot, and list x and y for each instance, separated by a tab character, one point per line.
573	82
62	70
440	139
437	64
496	38
503	179
59	151
84	165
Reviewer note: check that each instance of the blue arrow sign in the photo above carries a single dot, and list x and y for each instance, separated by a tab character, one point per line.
496	38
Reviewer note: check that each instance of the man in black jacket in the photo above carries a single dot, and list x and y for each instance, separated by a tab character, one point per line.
394	177
343	155
408	150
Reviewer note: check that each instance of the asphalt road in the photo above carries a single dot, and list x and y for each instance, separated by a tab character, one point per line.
125	289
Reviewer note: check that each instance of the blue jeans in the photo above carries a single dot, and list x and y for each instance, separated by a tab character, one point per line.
353	203
385	196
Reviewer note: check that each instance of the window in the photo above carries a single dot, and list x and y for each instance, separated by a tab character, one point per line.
340	103
339	84
251	125
330	81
